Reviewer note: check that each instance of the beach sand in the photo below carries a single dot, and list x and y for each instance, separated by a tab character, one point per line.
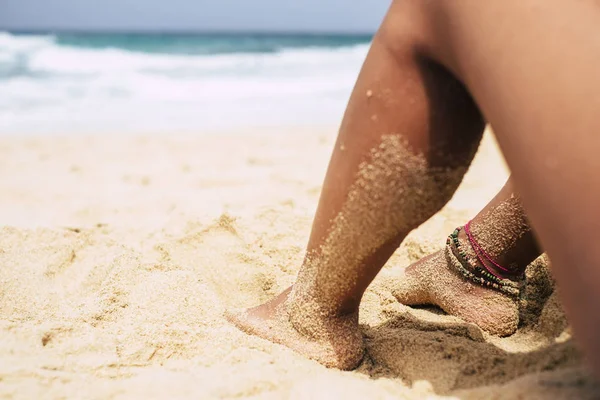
120	254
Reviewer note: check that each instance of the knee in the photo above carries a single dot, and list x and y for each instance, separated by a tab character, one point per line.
413	25
403	26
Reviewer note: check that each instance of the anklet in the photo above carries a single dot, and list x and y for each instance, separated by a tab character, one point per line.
459	261
475	246
485	271
479	251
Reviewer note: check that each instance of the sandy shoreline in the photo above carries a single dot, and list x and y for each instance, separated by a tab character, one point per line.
119	255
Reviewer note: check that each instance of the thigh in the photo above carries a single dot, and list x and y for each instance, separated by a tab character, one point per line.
532	67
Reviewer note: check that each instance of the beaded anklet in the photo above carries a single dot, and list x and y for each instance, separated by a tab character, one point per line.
460	262
480	252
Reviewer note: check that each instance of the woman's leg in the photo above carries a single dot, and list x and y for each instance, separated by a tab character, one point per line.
532	67
504	233
409	133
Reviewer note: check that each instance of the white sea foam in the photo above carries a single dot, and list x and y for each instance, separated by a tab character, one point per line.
48	87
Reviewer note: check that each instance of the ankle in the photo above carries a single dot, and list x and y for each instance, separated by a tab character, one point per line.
315	320
511	268
308	298
464	257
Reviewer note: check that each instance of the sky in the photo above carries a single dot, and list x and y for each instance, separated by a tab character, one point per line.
195	15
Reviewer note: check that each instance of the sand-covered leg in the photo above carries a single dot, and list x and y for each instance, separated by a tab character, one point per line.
409	133
502	230
531	66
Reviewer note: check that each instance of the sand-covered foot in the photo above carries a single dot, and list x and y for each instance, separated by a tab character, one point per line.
335	342
431	281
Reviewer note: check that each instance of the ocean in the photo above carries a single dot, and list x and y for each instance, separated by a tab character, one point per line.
120	83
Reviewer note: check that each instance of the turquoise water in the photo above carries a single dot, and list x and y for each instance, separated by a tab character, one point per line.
174	82
217	43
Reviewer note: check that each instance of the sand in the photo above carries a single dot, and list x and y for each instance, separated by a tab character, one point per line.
120	254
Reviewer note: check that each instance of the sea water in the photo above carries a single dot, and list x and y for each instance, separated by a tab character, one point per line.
115	82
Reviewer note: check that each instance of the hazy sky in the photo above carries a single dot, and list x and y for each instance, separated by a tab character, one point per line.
263	15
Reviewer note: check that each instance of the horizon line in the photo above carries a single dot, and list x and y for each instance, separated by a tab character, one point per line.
186	31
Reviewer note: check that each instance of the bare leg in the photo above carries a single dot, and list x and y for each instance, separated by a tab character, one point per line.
532	67
503	231
409	133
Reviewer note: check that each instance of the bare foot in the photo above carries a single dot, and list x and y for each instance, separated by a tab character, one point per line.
430	281
335	342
